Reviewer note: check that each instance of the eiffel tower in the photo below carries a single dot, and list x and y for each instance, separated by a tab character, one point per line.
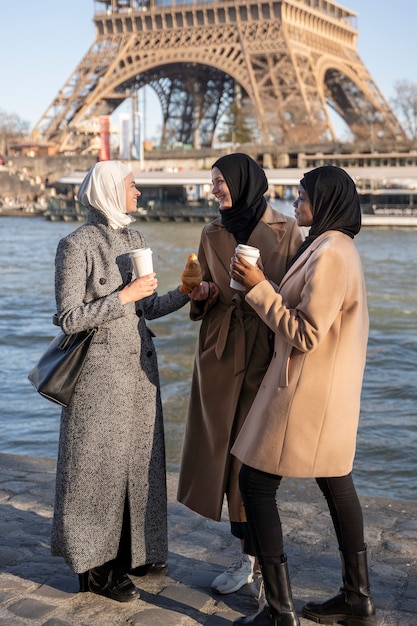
286	62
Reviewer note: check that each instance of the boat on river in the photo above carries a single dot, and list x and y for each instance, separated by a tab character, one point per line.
71	210
186	196
391	207
165	196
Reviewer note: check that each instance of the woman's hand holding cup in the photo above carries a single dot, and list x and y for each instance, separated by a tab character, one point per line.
139	288
244	272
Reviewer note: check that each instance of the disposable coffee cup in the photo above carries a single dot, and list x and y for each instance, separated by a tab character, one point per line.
251	255
142	261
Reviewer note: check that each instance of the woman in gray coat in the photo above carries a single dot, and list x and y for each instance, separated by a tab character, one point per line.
110	511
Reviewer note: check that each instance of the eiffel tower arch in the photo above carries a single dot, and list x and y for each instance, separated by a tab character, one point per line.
288	62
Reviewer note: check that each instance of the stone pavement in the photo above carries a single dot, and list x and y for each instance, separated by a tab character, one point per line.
37	589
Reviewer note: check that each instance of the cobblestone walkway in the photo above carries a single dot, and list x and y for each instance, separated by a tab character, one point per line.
37	589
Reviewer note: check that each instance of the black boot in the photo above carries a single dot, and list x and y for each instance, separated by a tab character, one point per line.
141	570
354	604
279	610
111	582
83	580
148	568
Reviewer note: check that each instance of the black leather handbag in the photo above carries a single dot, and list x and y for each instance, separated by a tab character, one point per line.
56	373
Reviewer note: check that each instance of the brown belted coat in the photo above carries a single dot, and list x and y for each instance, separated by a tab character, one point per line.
232	356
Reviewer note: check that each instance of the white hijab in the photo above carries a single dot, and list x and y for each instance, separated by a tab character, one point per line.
103	188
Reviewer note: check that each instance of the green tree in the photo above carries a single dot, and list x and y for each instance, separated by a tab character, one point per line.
12	128
236	127
404	104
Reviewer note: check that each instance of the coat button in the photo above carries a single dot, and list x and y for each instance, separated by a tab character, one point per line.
149	353
102	281
140	313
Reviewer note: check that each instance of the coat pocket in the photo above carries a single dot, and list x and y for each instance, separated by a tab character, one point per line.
290	364
102	336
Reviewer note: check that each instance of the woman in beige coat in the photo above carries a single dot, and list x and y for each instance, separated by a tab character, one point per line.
304	420
233	351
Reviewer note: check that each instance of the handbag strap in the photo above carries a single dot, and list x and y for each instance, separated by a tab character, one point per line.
69	339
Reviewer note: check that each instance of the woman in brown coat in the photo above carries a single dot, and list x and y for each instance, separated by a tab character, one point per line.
234	348
304	420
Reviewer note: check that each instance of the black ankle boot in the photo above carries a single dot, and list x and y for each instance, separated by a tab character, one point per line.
354	604
149	568
279	610
83	580
109	582
141	570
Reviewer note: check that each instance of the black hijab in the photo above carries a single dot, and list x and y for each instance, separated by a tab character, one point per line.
247	184
334	203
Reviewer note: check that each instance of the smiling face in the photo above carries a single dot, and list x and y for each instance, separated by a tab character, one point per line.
303	210
220	190
132	194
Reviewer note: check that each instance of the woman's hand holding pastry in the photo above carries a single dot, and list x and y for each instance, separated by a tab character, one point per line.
139	288
206	290
201	292
245	273
213	293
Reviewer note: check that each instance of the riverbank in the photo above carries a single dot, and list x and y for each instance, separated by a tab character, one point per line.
21	212
375	221
40	590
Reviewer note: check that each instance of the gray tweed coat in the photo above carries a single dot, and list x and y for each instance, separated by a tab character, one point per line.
111	438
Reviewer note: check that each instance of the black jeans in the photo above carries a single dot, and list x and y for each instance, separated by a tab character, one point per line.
259	491
241	530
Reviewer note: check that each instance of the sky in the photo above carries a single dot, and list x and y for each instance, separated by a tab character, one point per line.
43	42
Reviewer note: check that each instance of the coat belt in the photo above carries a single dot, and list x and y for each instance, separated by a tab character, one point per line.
239	335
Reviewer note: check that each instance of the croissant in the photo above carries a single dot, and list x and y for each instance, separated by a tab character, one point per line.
192	275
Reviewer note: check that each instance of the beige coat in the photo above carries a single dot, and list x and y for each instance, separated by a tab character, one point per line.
232	355
303	422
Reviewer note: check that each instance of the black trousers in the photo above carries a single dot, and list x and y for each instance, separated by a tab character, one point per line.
124	555
259	491
241	530
123	560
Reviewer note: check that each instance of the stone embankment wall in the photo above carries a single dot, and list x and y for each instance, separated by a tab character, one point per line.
27	178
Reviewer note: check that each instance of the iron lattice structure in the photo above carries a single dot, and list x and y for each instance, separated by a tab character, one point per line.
289	61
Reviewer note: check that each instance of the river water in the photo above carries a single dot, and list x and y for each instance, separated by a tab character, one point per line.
386	460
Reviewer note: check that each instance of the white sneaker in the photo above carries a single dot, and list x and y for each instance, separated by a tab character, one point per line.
238	574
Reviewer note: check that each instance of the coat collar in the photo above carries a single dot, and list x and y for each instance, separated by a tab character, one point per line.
265	236
95	217
270	216
302	260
